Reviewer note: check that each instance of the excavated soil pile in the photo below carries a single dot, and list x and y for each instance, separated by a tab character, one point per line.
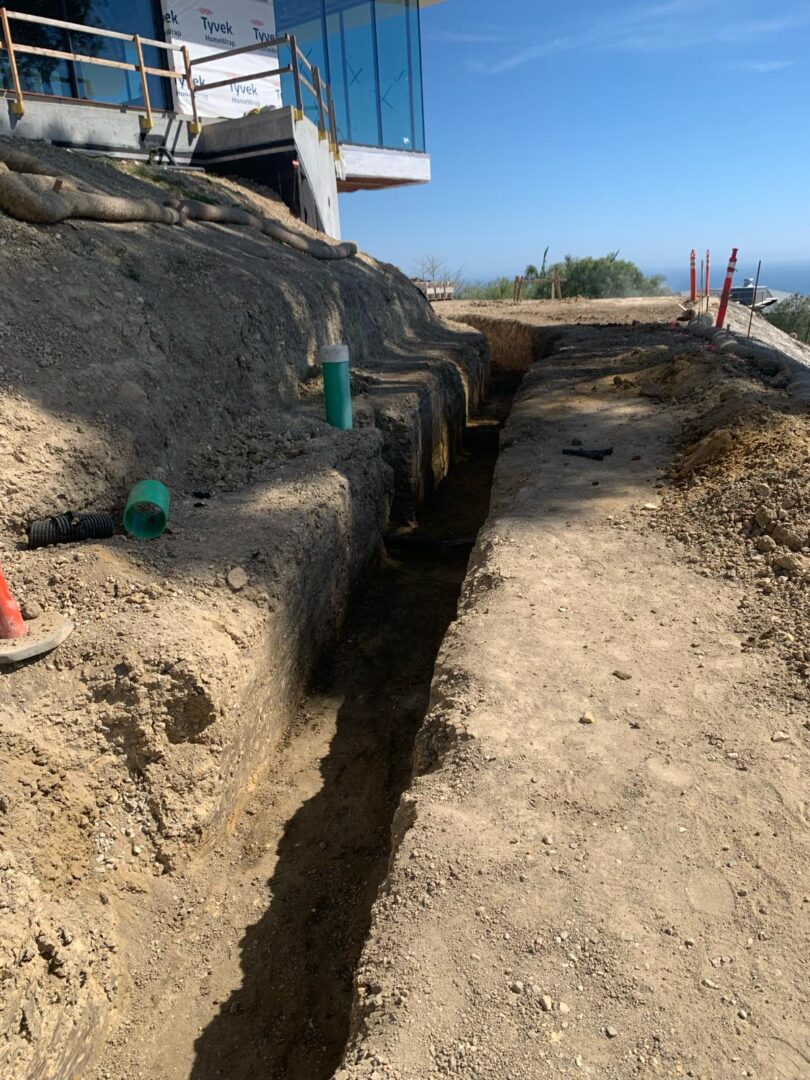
741	496
186	354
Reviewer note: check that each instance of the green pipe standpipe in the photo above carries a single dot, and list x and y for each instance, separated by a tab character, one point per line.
337	386
147	510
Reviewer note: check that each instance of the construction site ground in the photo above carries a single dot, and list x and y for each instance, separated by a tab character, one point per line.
601	867
520	793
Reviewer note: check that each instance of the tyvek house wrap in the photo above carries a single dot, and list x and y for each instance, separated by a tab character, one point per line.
215	27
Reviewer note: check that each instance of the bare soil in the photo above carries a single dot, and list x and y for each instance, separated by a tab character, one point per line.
555	827
601	865
246	966
188	355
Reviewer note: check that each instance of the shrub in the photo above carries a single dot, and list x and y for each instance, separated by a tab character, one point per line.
792	316
502	288
593	278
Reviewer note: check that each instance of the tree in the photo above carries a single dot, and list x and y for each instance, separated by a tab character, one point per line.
606	277
531	270
433	270
792	316
593	278
500	289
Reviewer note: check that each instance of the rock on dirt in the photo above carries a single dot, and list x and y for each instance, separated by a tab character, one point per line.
237	579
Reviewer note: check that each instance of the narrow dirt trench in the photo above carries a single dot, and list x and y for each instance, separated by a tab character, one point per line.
290	1017
257	979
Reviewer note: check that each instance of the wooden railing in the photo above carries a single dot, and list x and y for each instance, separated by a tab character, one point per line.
318	88
312	82
556	282
13	50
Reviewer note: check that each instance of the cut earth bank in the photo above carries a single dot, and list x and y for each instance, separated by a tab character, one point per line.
601	868
188	355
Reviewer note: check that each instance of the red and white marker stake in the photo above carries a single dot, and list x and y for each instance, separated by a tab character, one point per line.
732	267
693	276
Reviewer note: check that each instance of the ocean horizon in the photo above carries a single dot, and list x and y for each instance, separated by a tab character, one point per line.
788	277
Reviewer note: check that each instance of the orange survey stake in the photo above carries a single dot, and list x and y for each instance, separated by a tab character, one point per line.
12	624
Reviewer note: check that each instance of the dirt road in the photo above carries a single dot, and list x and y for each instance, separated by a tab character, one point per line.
602	864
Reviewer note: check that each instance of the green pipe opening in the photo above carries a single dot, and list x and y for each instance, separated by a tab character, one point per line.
147	510
337	386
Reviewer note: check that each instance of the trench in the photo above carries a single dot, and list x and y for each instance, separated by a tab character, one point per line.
344	766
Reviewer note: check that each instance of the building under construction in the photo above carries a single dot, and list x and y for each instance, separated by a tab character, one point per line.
311	97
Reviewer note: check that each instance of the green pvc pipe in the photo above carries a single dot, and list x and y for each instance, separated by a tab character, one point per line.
147	510
337	386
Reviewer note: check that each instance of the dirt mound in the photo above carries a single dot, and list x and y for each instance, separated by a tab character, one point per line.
741	503
682	377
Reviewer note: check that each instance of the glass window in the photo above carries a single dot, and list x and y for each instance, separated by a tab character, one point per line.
338	73
396	99
361	75
40	74
415	51
47	75
108	84
306	22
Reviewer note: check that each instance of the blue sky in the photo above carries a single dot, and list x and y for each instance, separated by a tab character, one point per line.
595	126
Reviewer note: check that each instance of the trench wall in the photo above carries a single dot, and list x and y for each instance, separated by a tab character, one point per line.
514	345
187	355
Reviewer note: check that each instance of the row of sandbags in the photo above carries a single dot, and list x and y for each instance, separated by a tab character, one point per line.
37	193
770	361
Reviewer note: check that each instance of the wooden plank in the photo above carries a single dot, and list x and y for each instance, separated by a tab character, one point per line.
241	78
296	70
19	105
305	82
303	60
40	20
166	45
257	46
150	123
316	78
77	58
195	119
164	72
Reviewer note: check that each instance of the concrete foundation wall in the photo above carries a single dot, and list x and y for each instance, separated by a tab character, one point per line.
251	146
104	129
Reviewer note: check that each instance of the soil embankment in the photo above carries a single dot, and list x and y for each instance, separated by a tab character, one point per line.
188	355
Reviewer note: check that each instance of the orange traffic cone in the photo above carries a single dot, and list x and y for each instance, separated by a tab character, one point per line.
12	624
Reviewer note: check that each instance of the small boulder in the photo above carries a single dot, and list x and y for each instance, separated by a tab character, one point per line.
31	610
764	516
790	563
237	579
788	538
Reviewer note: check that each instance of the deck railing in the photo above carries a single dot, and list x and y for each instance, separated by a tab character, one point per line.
312	82
13	50
317	87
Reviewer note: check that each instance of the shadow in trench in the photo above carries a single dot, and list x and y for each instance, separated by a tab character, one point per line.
290	1018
